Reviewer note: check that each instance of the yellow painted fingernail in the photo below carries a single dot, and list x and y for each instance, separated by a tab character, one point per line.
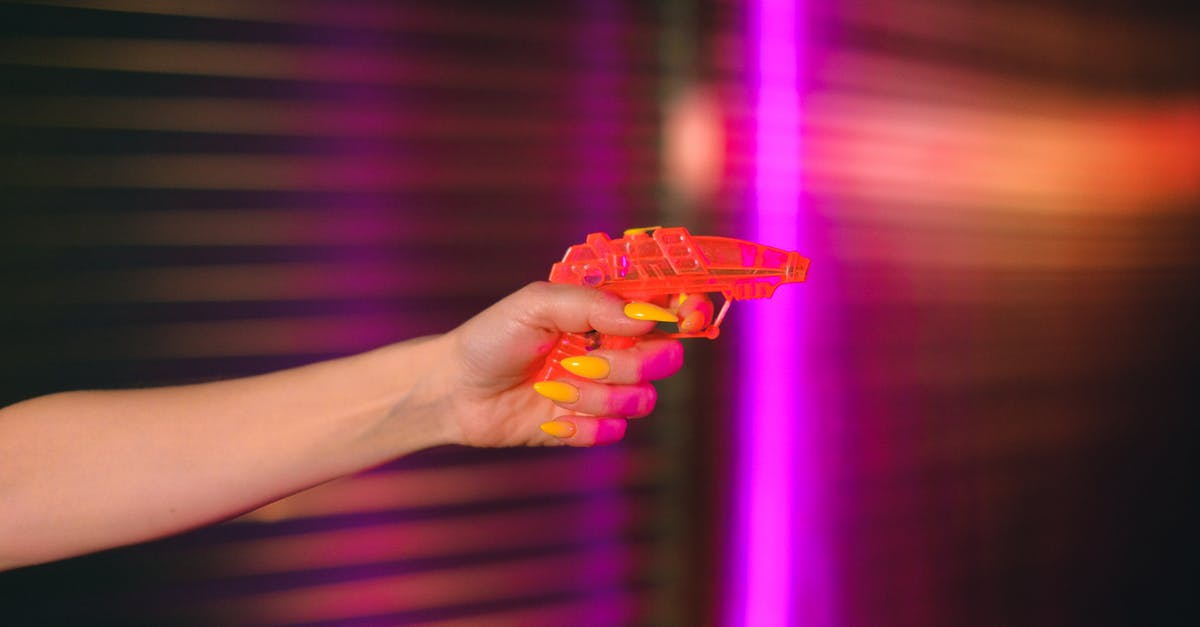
646	311
587	367
559	428
557	391
681	300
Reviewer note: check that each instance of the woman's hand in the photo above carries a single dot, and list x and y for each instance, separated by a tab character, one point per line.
486	378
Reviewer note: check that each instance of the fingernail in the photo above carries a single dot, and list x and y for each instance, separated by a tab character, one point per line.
681	300
587	366
559	428
557	391
692	322
646	311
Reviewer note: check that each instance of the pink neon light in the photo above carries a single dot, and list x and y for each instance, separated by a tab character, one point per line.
779	569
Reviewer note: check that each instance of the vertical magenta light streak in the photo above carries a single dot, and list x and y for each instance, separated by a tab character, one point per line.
778	570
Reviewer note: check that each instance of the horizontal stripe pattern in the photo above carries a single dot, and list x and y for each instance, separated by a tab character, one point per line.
204	189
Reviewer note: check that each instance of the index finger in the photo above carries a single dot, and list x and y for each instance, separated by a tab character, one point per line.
695	312
648	360
559	307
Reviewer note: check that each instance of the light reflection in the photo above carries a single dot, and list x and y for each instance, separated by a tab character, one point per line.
1065	156
780	570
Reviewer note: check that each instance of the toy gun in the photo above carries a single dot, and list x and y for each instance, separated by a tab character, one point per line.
653	262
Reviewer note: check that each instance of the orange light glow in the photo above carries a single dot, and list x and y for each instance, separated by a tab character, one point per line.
694	144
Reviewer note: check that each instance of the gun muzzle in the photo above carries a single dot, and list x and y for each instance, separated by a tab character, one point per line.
796	269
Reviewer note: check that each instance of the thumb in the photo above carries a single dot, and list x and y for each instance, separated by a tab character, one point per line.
503	342
559	308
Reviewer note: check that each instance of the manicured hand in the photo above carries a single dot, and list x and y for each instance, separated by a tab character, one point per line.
490	361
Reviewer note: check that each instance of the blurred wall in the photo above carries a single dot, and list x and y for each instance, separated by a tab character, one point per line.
206	189
1000	199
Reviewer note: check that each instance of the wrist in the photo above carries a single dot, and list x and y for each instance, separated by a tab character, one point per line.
419	414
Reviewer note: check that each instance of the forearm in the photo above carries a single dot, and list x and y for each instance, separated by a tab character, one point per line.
82	471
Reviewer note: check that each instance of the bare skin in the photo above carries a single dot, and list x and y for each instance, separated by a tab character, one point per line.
85	471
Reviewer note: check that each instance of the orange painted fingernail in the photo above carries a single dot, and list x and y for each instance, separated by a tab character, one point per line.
557	391
692	322
646	311
587	366
559	428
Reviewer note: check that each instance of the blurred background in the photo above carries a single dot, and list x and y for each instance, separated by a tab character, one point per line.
979	414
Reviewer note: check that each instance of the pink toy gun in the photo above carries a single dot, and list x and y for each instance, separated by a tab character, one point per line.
654	262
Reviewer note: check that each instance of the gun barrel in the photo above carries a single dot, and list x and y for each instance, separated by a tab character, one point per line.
796	269
671	260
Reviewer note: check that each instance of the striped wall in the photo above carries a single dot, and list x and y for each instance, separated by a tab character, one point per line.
992	398
204	189
996	369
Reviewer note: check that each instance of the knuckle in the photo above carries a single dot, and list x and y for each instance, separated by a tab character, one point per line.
676	356
536	289
660	363
634	402
610	430
649	399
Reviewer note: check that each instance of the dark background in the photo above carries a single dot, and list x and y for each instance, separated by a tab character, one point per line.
1001	200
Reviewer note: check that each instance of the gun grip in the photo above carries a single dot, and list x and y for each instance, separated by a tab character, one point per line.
576	344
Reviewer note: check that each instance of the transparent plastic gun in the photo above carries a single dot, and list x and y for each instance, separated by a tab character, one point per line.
648	264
